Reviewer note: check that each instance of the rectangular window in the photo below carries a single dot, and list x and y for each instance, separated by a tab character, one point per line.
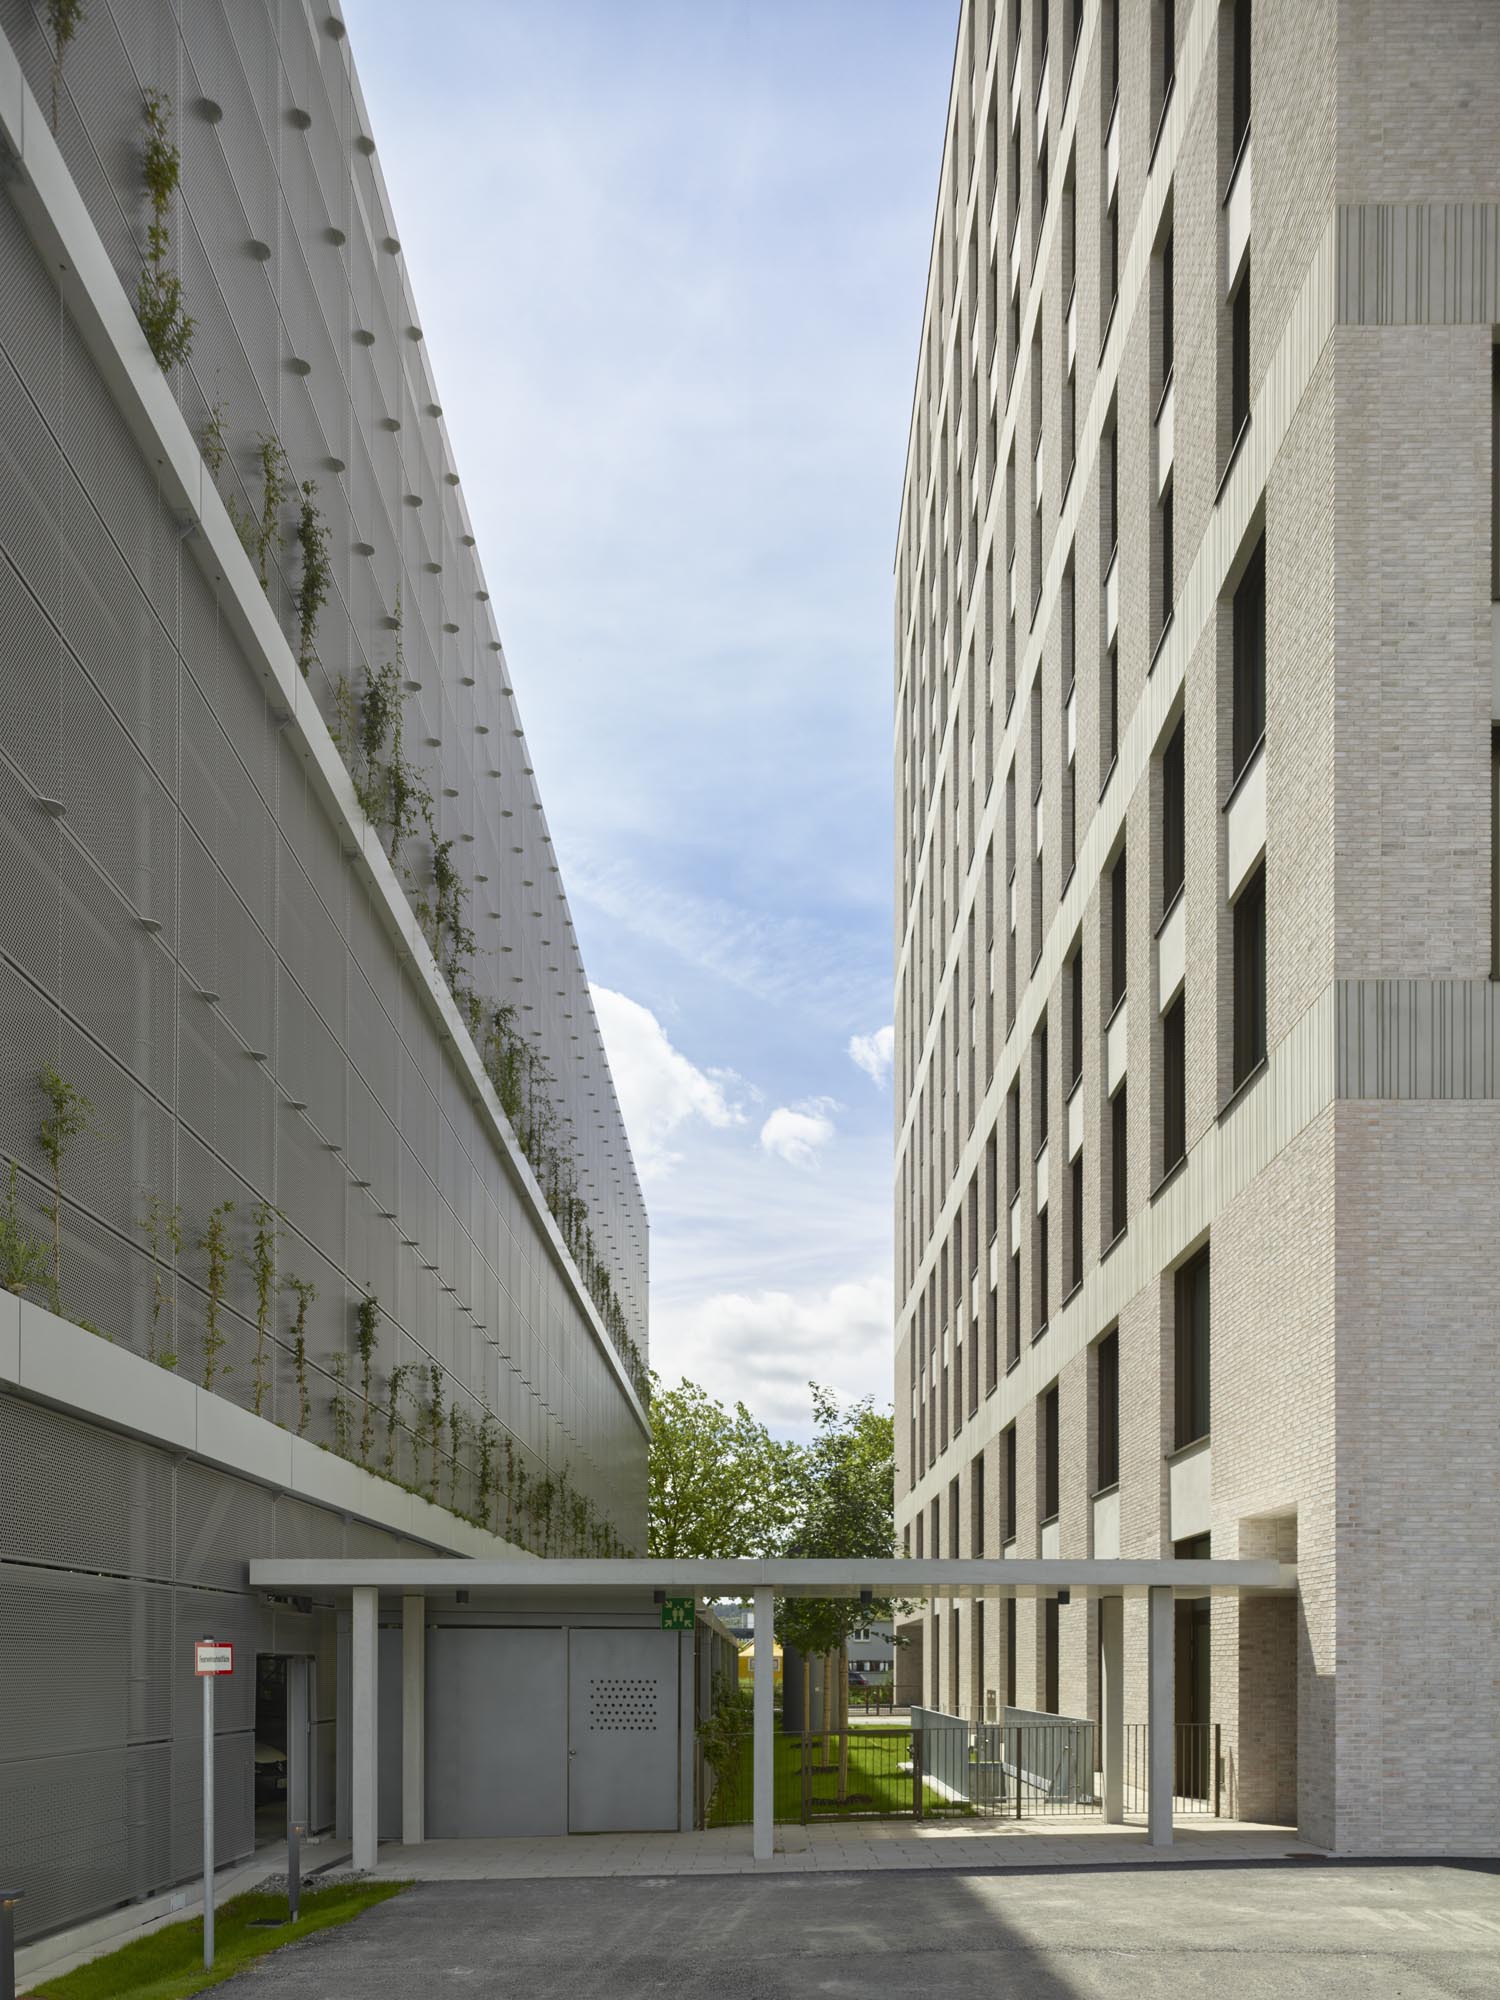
1239	358
1118	958
1043	1090
1118	1164
976	1507
1174	1085
1168	338
1173	817
1107	1388
1013	1324
1013	1140
1168	575
1250	977
953	1519
1075	1017
1168	47
1051	1647
1111	534
1010	1652
1051	1483
1111	706
1250	659
1240	95
1075	1196
1041	1275
1008	1463
1192	1314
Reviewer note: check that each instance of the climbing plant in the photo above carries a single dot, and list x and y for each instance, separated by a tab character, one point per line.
163	1226
213	443
263	1272
158	294
70	1116
394	1390
317	574
455	1447
64	19
304	1291
215	1245
338	1403
23	1257
366	1330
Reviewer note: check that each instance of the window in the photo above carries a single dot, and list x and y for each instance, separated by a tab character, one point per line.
1111	524
1013	1324
1240	94
1111	257
1008	1463
1043	1090
1173	817
1075	1017
1013	1140
1250	977
1075	1200
1117	932
1010	1652
1250	659
976	1507
1051	1484
1174	1085
1118	1164
1042	1248
1168	48
1168	577
1051	1697
1167	330
1111	693
953	1519
1107	1411
1239	357
1192	1314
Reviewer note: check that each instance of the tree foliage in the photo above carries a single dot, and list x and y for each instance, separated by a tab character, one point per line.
720	1484
847	1513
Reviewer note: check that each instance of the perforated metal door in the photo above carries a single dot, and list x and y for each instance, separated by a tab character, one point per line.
622	1731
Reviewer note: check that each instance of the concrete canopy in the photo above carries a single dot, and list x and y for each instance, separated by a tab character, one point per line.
902	1578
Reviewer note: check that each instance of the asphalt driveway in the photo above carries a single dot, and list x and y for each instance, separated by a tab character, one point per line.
1233	1933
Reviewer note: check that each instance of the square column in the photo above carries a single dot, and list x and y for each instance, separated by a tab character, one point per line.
1161	1712
1112	1705
364	1634
764	1739
413	1719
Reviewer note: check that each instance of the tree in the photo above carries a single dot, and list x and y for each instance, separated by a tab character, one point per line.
720	1484
848	1513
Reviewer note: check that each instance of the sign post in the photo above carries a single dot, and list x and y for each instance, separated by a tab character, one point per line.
211	1657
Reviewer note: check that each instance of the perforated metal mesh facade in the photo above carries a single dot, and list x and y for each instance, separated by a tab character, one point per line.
193	856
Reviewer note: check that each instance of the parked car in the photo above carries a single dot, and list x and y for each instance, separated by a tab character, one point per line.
857	1679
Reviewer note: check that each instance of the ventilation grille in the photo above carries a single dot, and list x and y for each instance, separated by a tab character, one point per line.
619	1705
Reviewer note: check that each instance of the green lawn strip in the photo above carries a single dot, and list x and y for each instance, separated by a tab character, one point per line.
168	1964
876	1783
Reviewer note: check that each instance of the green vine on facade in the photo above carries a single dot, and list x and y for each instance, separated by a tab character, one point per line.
71	1115
163	1226
366	1332
158	293
263	1272
317	575
64	19
213	444
24	1264
304	1291
394	1389
215	1245
338	1403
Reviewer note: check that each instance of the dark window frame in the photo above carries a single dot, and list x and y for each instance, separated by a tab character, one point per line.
1193	1315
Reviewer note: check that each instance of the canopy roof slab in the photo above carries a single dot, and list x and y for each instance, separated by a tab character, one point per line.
596	1578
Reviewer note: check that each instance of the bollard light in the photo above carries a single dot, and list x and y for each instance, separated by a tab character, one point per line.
8	1901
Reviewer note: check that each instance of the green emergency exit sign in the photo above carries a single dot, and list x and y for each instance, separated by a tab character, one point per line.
677	1614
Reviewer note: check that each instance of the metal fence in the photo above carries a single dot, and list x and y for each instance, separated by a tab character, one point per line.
943	1766
1197	1769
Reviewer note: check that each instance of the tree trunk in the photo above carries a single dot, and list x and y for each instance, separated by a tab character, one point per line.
843	1721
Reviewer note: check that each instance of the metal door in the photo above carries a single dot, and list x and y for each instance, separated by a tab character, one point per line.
496	1731
623	1731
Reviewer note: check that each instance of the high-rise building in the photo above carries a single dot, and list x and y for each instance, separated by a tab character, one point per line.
324	1235
1197	1034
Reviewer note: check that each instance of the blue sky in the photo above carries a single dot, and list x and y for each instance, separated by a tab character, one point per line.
670	261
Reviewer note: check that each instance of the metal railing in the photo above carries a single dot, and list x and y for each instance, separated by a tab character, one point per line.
944	1766
1197	1769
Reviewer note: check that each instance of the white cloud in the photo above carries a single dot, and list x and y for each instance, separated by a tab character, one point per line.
874	1054
765	1346
795	1132
659	1088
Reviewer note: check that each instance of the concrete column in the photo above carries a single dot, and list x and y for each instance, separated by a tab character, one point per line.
413	1719
1161	1710
764	1765
364	1710
1112	1705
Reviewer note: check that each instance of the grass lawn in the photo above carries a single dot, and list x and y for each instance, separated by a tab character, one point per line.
877	1785
168	1964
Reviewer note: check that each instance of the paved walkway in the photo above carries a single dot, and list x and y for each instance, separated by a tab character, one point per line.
837	1847
1315	1931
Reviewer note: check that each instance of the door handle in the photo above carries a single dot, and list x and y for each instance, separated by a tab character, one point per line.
572	1753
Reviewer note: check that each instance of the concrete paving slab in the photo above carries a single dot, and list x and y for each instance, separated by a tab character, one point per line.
1293	1931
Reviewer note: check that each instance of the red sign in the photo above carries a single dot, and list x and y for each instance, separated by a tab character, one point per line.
213	1656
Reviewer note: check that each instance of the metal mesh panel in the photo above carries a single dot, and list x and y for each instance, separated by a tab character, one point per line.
78	1494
